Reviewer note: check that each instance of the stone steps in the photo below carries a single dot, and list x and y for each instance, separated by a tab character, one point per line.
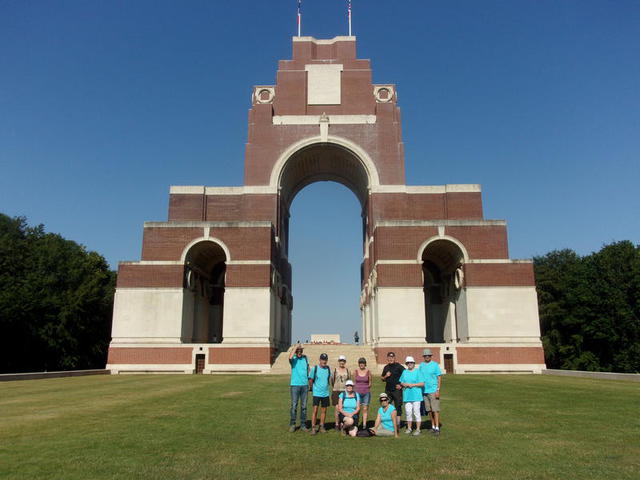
352	352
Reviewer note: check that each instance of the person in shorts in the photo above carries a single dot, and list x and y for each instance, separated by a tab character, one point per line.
319	381
432	376
391	376
412	383
362	377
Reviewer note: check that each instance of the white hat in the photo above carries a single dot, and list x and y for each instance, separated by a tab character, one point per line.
409	360
348	382
342	357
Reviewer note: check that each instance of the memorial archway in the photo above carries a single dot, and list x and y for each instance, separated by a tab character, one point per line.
322	162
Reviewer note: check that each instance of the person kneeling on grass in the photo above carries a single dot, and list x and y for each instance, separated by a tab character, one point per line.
348	409
386	422
319	380
412	383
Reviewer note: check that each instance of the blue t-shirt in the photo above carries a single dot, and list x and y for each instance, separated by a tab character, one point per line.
349	404
413	394
321	380
430	372
299	369
385	417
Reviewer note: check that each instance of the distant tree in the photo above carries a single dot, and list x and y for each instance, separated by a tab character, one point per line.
590	308
55	301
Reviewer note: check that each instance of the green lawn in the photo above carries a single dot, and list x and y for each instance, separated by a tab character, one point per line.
199	427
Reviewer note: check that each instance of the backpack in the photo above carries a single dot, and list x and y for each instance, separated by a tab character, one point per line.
364	433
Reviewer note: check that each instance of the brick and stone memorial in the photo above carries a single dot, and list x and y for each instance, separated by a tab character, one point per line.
212	290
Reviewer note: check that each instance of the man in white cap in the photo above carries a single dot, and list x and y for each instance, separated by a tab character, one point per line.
432	376
412	383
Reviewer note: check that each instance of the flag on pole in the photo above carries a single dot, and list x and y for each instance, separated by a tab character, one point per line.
299	17
349	10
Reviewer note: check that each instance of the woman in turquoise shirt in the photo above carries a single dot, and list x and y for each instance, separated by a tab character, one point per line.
386	424
412	383
348	409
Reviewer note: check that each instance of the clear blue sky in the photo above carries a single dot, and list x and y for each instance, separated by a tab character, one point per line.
105	104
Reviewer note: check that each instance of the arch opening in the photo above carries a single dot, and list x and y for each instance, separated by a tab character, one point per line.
204	283
442	262
324	162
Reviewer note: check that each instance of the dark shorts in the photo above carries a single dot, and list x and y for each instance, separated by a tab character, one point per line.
341	418
322	401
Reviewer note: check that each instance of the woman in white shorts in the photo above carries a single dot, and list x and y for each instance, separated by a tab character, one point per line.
412	383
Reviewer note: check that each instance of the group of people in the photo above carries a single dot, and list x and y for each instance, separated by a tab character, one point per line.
350	394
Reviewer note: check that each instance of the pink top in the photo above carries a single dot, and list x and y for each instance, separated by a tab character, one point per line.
362	383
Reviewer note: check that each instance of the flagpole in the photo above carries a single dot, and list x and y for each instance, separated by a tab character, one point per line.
349	17
299	17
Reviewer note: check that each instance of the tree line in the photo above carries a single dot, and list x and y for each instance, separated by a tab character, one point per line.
590	308
56	302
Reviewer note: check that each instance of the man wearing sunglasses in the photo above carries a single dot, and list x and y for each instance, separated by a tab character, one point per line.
299	386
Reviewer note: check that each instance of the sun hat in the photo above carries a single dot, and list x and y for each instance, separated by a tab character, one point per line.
324	356
348	382
427	352
409	360
342	357
383	395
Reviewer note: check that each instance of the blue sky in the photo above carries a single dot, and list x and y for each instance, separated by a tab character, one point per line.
105	104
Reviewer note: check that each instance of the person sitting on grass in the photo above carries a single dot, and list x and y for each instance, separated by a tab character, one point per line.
348	409
412	383
319	379
386	422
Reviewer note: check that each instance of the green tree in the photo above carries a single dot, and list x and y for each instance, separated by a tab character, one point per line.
55	301
589	308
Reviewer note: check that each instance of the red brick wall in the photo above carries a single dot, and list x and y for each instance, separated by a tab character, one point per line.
154	355
499	274
186	207
248	276
488	241
403	352
399	275
500	355
150	276
168	243
464	206
400	243
240	355
221	208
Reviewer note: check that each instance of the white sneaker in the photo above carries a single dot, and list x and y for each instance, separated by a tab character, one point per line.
407	431
416	433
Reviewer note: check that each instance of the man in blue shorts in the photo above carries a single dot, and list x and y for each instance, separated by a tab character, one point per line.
432	376
299	386
319	380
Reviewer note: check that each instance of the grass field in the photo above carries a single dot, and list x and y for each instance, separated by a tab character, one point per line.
201	427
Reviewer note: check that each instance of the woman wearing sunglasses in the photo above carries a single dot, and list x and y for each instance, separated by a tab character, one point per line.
386	422
348	409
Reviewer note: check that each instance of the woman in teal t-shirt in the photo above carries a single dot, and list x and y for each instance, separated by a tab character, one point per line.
348	409
386	424
412	383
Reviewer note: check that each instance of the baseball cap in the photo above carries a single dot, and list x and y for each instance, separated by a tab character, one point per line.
426	352
324	356
409	360
348	382
342	357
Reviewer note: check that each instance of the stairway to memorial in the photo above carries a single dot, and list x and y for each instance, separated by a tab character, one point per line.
313	351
